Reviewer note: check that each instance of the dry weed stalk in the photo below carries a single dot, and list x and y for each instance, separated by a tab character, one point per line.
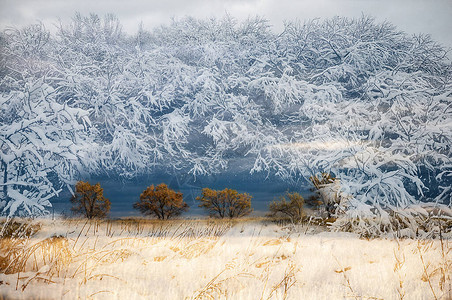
289	280
426	274
343	271
399	257
217	288
270	263
442	270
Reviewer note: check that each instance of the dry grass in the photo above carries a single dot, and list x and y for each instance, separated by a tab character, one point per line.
439	271
246	258
76	254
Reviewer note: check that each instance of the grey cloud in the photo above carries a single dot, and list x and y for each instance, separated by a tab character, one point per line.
412	16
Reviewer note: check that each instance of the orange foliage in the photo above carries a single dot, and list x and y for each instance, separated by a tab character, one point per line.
289	206
89	201
161	201
225	203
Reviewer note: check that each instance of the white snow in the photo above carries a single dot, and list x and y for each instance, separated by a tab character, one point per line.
202	259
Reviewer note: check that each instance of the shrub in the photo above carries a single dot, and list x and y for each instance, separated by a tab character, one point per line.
13	229
289	206
321	181
326	194
225	203
161	201
14	237
89	201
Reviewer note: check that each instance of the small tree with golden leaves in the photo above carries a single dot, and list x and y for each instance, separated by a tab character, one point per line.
161	201
89	201
225	203
289	206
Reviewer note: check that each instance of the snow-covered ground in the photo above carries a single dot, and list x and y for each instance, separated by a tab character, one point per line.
201	259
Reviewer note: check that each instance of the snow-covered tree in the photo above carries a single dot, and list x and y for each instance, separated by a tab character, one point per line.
376	111
352	97
93	53
42	138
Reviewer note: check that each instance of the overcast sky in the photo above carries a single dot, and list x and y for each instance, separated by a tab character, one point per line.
412	16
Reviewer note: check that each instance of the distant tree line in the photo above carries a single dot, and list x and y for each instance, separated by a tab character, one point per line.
164	203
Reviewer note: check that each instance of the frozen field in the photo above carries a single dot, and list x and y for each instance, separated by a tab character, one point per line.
200	259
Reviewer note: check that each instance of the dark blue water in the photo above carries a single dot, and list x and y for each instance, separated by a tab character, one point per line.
123	193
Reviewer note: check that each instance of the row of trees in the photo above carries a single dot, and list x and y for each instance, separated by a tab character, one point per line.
164	203
351	97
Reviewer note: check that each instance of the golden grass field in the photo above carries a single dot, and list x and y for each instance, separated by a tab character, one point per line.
215	259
